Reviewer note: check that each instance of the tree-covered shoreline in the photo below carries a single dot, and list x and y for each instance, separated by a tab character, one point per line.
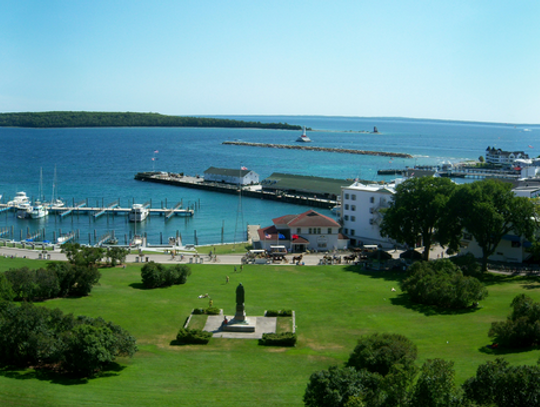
125	119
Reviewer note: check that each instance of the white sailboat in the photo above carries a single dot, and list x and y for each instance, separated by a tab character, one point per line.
39	210
55	201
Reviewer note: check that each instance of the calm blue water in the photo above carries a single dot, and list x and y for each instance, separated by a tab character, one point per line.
99	164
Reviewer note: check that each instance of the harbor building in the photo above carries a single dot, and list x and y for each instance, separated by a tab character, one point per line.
241	176
307	231
361	214
302	185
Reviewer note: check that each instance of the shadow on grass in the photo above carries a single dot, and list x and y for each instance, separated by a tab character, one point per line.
386	275
139	286
531	286
494	279
500	350
113	369
403	300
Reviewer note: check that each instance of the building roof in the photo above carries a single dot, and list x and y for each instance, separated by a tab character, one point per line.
306	219
227	172
303	183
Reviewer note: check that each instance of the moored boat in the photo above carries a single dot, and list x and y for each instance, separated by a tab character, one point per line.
20	198
38	211
138	213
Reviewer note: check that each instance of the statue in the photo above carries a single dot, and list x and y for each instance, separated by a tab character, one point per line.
240	295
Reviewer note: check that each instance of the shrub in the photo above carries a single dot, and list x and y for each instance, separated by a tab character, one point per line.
198	311
156	275
468	264
280	313
188	336
282	339
212	311
522	327
442	283
378	353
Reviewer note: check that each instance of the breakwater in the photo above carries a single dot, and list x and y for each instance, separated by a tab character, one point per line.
315	148
248	191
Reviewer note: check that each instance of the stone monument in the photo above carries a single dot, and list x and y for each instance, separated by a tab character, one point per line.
240	323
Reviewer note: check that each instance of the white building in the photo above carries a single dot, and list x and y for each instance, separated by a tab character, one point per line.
511	248
308	231
360	212
241	176
505	158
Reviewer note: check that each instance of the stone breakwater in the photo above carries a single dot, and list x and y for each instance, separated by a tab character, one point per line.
314	148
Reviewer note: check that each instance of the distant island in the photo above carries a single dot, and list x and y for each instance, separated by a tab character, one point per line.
125	119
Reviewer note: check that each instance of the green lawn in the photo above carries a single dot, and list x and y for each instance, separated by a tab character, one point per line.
333	305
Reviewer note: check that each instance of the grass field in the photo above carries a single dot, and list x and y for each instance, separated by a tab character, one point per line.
333	304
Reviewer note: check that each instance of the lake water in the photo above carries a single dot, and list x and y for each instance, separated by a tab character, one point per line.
99	165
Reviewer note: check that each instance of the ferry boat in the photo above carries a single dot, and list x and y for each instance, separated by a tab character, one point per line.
39	211
138	213
303	138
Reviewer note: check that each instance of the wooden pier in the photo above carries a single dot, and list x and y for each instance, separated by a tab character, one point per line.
83	209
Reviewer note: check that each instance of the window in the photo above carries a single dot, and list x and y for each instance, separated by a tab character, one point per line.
329	231
372	199
352	232
346	196
346	231
310	231
347	207
298	231
353	197
371	221
318	231
353	218
346	217
323	245
353	207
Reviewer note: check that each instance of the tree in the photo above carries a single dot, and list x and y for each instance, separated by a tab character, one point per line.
342	387
152	275
522	327
417	210
435	386
442	283
83	255
499	384
117	255
379	353
6	290
488	210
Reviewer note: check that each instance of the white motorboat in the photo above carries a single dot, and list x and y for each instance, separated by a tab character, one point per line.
138	213
24	210
303	138
20	198
39	211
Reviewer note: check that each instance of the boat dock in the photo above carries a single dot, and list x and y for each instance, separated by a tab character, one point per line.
113	208
252	191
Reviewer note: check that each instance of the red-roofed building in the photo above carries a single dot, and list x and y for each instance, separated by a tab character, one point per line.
308	231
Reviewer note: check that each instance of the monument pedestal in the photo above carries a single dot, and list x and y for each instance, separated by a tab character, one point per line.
240	323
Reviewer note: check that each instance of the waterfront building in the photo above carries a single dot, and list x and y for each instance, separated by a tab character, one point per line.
361	206
241	176
504	158
307	231
511	249
303	185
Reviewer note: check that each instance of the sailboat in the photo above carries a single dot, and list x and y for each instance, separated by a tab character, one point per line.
55	201
39	210
303	138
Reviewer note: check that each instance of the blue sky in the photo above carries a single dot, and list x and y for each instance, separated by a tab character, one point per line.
461	60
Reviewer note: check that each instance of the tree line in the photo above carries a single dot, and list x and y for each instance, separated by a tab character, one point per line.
126	119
